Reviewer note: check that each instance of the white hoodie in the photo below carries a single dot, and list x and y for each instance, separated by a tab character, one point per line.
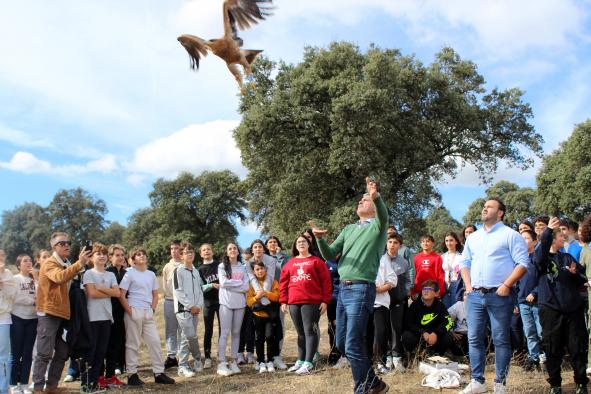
24	300
386	274
7	292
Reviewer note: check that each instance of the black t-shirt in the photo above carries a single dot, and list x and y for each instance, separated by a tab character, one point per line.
209	275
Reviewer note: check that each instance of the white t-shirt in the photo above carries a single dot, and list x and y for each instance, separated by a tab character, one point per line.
139	286
99	309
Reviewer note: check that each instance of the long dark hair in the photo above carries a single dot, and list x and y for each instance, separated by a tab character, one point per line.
258	241
226	259
314	251
276	239
459	246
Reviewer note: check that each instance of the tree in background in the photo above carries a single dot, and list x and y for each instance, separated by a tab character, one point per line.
113	234
519	202
25	229
78	213
199	209
564	181
310	133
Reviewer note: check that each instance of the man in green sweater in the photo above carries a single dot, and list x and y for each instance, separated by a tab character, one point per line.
360	246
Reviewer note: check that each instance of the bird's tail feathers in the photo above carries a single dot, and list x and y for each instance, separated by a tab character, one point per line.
250	54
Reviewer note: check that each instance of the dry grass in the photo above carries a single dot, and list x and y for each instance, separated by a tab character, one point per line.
324	379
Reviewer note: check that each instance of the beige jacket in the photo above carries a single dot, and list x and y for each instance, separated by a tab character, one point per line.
167	273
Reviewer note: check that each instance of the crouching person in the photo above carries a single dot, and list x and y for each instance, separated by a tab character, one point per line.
188	303
139	297
561	309
428	322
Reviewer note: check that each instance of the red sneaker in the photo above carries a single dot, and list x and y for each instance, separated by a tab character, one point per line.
102	383
113	381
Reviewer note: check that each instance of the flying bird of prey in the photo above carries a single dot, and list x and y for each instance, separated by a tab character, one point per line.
238	14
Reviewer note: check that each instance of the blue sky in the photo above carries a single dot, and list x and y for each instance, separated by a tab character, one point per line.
100	95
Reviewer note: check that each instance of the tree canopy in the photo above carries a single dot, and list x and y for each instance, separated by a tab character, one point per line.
25	229
311	132
564	181
518	200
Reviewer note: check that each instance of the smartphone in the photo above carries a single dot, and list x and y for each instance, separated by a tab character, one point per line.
88	245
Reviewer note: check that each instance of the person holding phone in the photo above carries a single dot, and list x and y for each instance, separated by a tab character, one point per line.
53	311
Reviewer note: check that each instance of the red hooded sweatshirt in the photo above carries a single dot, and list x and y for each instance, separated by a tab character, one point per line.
305	281
428	266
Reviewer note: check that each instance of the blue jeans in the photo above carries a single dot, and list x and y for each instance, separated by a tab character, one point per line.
354	306
4	357
532	329
22	338
498	310
450	296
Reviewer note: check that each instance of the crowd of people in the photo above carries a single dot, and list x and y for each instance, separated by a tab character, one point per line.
492	289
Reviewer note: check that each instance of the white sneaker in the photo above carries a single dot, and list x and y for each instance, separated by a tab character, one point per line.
197	367
240	359
234	367
588	371
185	372
499	388
382	370
68	379
27	390
389	364
262	368
250	358
397	364
278	363
474	387
341	363
270	367
16	389
223	369
305	369
296	366
207	363
117	372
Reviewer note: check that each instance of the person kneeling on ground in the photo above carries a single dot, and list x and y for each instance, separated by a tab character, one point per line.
428	321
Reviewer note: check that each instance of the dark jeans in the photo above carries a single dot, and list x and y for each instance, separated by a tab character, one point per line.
91	366
22	339
459	346
381	322
412	340
246	333
50	347
354	307
305	319
331	316
397	312
209	312
116	350
564	329
264	333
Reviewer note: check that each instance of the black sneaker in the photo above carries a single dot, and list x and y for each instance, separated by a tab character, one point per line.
531	365
89	388
581	389
555	390
134	380
162	378
170	362
380	388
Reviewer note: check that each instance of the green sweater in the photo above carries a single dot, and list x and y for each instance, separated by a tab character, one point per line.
360	247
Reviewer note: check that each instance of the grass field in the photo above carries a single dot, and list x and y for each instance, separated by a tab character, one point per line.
323	380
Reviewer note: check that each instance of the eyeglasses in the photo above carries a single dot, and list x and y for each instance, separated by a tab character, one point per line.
425	289
139	254
63	243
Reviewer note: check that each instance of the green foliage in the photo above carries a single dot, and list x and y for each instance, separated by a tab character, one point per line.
79	214
438	223
519	202
311	132
564	181
25	229
113	234
199	209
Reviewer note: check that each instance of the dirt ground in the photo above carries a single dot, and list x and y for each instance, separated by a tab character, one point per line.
323	380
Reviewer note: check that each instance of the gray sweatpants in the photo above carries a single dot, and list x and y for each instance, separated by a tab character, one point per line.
230	322
189	341
171	328
50	347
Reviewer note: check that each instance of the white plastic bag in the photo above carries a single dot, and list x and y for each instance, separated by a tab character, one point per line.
440	378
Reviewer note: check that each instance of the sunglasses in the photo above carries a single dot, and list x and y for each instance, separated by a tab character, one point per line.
425	289
63	243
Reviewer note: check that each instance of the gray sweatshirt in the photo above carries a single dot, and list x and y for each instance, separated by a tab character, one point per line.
233	287
187	291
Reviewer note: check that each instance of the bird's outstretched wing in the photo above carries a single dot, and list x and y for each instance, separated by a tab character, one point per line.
195	46
242	14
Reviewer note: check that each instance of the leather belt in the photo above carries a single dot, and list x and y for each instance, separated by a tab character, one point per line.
354	282
485	290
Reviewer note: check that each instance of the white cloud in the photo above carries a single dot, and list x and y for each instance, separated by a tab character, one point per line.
208	146
468	176
27	163
20	138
